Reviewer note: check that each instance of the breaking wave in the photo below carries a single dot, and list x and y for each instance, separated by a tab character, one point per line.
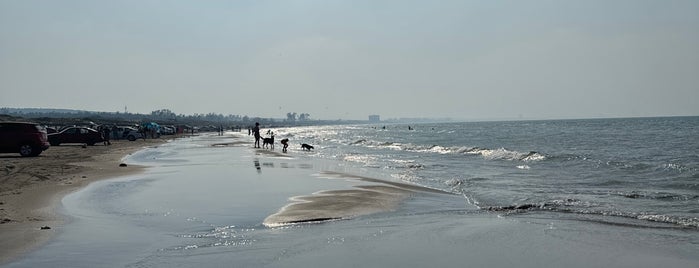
578	207
505	154
487	153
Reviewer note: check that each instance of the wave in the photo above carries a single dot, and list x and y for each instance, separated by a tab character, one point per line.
524	156
505	154
358	142
487	153
577	207
674	167
662	196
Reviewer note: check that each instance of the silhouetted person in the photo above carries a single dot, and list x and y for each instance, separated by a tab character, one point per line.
256	132
115	132
105	133
285	142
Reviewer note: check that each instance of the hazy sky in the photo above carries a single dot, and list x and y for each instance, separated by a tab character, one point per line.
348	59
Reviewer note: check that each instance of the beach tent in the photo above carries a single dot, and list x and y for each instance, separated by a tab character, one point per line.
151	126
151	129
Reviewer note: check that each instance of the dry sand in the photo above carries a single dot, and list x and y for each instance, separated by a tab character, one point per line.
31	188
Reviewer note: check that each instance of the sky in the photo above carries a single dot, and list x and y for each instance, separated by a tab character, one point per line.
349	59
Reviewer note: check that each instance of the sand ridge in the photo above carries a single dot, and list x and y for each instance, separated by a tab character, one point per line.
328	205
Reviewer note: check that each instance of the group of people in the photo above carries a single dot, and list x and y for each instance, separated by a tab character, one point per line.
255	131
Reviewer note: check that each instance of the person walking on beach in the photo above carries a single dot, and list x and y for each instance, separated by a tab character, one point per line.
142	131
256	132
105	134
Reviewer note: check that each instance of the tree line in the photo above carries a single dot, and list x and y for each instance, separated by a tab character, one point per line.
163	116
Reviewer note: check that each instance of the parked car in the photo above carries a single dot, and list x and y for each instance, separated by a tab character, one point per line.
131	134
27	139
121	132
167	130
76	135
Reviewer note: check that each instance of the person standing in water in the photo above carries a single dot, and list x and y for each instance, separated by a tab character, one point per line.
256	132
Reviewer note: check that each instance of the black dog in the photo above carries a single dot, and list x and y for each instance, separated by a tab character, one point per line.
266	141
306	147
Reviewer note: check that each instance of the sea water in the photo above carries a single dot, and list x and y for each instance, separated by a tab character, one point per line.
565	193
645	169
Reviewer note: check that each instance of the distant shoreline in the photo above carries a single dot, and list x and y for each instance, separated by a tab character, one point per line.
56	115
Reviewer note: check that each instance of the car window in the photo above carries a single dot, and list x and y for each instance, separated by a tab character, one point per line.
72	131
9	127
83	131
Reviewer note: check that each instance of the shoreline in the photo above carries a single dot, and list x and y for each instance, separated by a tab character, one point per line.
31	188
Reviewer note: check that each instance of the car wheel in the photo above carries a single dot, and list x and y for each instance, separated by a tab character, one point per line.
27	150
37	151
131	138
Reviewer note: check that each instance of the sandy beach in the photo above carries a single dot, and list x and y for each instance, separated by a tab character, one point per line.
31	188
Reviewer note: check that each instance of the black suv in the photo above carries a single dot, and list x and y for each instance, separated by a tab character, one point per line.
27	139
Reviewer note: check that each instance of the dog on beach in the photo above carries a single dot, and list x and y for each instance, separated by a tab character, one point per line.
305	146
268	141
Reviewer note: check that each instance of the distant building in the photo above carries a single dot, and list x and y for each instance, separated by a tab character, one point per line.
374	118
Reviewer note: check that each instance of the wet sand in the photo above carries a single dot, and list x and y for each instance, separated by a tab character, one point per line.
31	188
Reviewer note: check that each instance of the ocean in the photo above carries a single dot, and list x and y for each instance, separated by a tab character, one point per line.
641	171
559	193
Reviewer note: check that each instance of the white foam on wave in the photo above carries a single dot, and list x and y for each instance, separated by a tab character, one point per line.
534	156
440	150
676	167
500	153
505	154
490	154
362	159
393	146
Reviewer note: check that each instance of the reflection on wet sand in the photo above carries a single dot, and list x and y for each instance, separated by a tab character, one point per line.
329	205
256	162
271	153
233	143
258	165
